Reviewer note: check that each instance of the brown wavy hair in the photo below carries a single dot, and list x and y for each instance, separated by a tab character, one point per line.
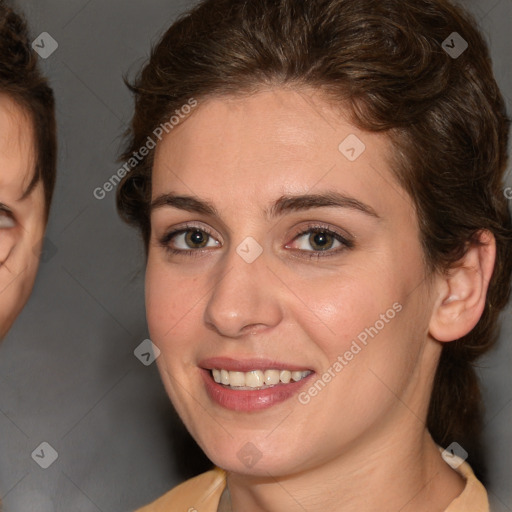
383	59
22	81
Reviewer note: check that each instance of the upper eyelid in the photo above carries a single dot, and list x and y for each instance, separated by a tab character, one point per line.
186	227
312	225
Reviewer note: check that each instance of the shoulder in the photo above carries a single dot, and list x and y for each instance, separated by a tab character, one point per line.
474	496
202	492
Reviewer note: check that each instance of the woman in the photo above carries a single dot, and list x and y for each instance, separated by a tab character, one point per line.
27	164
328	249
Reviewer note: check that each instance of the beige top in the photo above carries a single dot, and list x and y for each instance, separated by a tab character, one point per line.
203	493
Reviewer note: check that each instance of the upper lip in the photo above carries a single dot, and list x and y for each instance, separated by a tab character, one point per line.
246	365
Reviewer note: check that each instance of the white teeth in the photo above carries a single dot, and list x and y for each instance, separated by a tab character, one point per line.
285	376
237	379
296	376
253	379
224	377
257	378
271	377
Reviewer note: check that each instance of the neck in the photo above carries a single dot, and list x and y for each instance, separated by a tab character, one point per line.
380	476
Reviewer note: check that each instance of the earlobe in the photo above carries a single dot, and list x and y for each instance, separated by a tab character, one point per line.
462	291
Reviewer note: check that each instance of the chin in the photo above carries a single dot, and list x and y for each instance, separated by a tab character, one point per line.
250	461
261	468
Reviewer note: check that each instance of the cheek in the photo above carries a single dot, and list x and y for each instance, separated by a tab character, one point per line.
367	327
370	349
337	309
159	306
172	302
19	250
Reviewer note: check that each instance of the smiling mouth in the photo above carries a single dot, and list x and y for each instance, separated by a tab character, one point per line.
256	379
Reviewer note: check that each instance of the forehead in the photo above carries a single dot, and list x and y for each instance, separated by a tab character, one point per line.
254	128
271	143
17	159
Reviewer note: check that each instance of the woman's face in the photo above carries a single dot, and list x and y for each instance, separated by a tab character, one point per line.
22	219
296	251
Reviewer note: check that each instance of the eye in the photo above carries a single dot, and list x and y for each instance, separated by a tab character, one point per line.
319	239
323	240
6	219
188	239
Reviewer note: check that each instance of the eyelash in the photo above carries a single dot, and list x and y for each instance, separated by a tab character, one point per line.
312	228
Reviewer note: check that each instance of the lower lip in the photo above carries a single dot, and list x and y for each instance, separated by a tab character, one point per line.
246	401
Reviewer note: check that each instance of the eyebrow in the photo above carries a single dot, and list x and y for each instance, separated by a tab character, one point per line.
283	205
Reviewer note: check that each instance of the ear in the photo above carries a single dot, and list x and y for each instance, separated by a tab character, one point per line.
462	290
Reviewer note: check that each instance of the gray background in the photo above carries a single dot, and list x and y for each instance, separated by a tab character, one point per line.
68	375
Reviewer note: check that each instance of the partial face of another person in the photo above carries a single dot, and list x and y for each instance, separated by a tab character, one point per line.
277	250
22	212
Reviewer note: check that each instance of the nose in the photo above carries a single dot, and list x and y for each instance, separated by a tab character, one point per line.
245	298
